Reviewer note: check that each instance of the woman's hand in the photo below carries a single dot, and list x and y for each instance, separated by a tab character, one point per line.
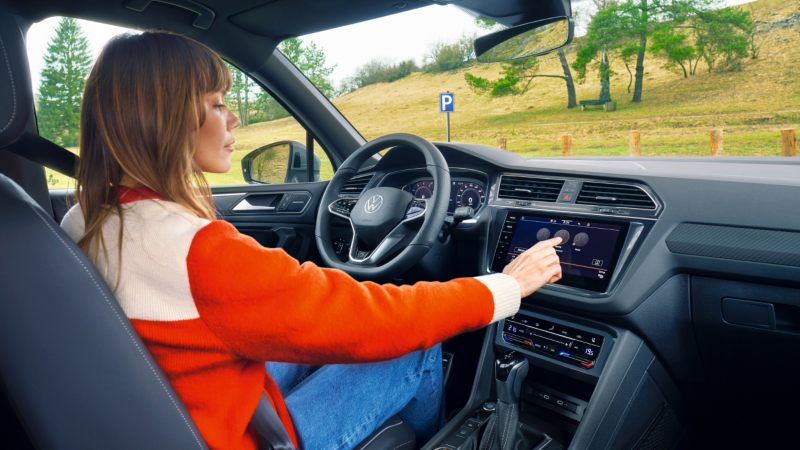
535	267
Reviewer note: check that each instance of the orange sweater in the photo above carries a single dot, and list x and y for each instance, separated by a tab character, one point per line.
212	305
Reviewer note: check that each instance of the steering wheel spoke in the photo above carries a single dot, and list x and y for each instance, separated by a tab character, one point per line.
343	207
400	236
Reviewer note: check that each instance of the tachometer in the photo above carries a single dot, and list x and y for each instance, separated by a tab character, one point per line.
422	189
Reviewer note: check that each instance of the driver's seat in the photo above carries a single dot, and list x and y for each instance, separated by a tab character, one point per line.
73	368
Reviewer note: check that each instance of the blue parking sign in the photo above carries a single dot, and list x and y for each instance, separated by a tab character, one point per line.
447	102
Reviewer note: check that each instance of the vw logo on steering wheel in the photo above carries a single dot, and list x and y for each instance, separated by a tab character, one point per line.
373	204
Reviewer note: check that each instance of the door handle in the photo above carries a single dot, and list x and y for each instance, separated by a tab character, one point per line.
244	205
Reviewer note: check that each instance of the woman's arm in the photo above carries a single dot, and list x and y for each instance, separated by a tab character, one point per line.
264	305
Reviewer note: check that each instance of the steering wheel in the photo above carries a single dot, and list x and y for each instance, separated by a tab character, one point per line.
385	220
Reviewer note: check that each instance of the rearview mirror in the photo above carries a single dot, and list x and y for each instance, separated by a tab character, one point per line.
279	162
524	41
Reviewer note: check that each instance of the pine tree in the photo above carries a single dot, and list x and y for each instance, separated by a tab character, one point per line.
311	61
67	63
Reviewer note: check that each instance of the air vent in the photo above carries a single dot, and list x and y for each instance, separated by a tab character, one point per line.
524	188
614	195
355	186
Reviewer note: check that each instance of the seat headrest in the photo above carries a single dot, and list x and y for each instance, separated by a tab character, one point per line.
16	94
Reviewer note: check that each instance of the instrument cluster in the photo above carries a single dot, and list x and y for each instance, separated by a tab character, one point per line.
463	192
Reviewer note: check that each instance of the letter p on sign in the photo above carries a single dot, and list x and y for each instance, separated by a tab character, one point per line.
447	102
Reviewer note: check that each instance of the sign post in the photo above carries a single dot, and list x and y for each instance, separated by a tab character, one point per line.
447	105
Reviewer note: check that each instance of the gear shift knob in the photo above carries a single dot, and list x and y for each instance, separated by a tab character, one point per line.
510	369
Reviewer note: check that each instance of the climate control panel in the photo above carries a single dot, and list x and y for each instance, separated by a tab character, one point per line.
568	344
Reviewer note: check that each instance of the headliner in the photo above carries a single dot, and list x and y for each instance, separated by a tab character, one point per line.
262	24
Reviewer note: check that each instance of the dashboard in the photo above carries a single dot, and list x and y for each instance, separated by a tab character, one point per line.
692	261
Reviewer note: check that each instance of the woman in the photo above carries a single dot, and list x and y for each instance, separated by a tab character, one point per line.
213	306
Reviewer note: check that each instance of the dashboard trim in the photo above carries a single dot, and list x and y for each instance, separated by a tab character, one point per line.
575	208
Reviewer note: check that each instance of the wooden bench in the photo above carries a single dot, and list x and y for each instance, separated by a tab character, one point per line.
601	102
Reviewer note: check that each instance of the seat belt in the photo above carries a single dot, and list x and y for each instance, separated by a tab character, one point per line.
266	421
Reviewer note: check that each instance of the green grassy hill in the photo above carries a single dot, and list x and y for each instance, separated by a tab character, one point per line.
674	118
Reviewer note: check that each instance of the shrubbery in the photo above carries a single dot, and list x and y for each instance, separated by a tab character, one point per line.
378	71
450	56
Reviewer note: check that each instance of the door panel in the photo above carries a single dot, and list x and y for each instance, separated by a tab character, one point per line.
273	225
267	214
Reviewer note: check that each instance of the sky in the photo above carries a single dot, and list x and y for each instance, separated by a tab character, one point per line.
394	38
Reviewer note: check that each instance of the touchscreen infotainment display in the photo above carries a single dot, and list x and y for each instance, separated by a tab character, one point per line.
588	251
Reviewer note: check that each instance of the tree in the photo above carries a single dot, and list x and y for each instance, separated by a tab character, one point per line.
723	33
515	71
676	48
604	35
67	64
311	61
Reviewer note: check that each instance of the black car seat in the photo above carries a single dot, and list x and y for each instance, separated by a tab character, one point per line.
74	372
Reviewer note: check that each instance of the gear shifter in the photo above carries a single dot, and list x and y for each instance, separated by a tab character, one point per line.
504	432
510	369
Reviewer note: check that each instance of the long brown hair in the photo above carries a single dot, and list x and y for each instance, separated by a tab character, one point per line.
141	111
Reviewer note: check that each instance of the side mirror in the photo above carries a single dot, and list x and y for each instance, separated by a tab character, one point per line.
526	40
279	162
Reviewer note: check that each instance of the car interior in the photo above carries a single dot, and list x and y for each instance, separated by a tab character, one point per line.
672	326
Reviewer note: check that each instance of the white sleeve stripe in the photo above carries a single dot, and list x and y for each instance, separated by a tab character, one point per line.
506	293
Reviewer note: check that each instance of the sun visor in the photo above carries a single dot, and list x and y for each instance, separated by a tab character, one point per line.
287	18
16	95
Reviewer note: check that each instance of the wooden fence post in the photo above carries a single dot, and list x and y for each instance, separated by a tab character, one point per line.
716	142
635	143
566	144
501	142
788	142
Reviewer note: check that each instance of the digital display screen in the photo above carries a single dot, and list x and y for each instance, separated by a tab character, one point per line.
588	250
462	193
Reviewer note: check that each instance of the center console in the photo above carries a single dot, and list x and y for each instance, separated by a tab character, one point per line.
558	381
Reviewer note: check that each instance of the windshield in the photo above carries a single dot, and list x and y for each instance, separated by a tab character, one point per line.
648	78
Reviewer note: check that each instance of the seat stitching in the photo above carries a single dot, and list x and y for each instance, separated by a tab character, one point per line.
13	88
508	425
404	443
492	433
138	347
381	432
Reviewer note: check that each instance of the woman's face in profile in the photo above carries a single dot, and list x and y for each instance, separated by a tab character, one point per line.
215	139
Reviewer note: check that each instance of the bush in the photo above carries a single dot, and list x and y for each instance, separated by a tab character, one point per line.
377	71
444	57
268	109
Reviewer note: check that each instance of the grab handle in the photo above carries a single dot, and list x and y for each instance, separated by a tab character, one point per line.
205	15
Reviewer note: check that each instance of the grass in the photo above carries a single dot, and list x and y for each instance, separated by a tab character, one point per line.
674	118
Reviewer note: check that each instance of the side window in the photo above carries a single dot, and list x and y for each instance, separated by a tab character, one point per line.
61	52
61	55
273	138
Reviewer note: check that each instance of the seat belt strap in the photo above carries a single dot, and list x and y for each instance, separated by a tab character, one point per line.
266	421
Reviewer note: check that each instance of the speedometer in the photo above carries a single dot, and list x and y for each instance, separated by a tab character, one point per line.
468	194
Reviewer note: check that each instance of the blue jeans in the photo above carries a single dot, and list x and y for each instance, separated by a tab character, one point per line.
336	406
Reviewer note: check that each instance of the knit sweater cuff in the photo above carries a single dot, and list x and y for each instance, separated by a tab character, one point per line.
506	293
